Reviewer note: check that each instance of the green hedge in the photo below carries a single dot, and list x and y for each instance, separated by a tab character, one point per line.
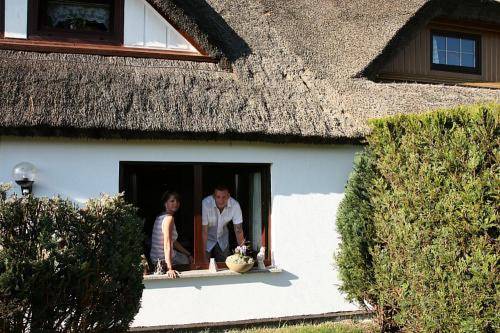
435	211
64	269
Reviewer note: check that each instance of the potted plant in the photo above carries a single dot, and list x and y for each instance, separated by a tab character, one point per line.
240	262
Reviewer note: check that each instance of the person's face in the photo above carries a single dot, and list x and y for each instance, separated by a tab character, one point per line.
172	204
221	198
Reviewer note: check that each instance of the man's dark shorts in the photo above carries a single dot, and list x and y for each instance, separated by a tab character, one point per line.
217	253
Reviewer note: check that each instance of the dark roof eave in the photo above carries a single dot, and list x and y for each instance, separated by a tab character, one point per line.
100	133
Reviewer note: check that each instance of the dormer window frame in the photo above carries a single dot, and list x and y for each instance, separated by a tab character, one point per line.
2	18
71	42
114	37
454	68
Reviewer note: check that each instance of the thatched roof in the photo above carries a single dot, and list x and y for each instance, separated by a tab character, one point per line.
295	70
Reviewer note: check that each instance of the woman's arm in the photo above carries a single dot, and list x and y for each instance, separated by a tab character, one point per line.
167	229
178	246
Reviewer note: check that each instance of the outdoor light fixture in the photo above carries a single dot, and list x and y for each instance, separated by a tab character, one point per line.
24	175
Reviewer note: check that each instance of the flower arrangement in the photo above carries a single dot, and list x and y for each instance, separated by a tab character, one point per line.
240	262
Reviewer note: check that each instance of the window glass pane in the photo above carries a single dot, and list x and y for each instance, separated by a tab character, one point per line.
83	16
453	59
439	42
468	60
439	58
468	45
453	44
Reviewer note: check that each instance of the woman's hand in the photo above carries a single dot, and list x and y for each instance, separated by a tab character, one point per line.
172	274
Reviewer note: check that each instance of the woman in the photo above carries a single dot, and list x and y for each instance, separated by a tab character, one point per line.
164	244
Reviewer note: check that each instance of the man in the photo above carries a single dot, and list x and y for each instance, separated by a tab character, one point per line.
217	211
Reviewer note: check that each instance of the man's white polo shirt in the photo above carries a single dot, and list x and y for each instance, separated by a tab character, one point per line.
217	221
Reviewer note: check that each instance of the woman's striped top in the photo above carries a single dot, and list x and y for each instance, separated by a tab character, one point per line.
157	251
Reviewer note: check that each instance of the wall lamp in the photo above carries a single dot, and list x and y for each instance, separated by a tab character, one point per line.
24	175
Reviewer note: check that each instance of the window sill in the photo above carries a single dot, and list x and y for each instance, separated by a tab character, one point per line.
99	49
207	273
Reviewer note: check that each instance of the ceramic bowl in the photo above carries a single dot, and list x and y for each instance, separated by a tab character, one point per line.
239	268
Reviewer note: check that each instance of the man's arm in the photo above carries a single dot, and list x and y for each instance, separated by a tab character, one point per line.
238	225
238	231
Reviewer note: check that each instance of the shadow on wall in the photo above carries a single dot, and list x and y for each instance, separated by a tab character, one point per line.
282	279
219	32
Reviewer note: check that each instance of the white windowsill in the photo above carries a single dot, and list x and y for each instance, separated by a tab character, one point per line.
207	273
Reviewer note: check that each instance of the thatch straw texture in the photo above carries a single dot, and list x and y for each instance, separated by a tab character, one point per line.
295	70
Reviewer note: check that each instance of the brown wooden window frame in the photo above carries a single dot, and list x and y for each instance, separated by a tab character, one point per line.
454	68
2	18
114	37
198	251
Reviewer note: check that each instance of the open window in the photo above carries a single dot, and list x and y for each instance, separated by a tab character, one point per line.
82	20
455	52
145	182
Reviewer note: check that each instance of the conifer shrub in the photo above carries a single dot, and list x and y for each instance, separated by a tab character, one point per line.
435	213
65	269
355	224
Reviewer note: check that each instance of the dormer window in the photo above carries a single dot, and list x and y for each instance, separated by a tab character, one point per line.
134	28
455	52
95	20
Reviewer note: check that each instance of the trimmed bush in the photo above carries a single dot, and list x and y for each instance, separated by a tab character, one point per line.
355	225
64	269
435	211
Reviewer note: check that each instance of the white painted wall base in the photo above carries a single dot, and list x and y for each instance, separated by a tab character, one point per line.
307	184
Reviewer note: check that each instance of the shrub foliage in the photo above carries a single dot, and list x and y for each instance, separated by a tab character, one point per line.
434	208
68	269
355	224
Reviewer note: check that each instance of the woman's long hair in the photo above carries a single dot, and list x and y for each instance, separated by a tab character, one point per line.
167	195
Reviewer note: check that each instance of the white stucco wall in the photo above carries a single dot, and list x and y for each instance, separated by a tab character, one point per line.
307	184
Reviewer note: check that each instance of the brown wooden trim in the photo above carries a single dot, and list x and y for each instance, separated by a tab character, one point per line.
472	82
119	21
429	78
2	18
249	323
99	49
266	212
114	37
184	34
199	251
490	85
467	25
